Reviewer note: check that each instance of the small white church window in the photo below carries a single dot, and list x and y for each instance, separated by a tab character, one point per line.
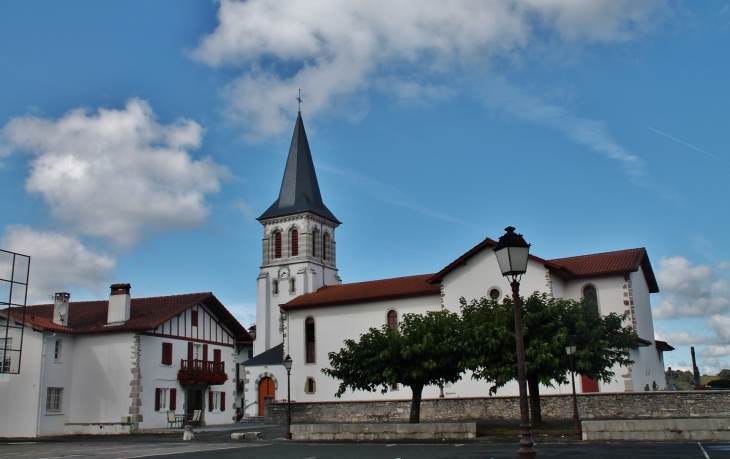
393	320
310	387
57	350
275	287
309	338
292	286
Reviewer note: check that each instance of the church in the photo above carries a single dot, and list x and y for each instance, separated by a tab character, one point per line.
305	311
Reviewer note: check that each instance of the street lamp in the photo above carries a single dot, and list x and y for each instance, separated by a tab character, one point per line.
287	365
570	350
512	252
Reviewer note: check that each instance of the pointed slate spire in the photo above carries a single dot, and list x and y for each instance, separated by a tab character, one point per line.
299	188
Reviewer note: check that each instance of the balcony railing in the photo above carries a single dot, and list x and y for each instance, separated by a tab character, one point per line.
202	365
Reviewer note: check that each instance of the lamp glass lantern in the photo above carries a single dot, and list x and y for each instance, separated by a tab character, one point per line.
570	348
512	253
287	363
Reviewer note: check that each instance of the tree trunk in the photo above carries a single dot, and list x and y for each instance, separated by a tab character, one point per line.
416	404
535	410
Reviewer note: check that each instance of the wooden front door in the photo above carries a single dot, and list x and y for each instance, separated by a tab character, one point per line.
194	401
588	384
266	389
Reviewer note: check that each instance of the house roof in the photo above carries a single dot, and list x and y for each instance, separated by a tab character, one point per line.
273	355
299	188
384	289
146	314
598	264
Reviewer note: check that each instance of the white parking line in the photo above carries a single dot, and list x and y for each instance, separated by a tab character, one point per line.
185	451
703	450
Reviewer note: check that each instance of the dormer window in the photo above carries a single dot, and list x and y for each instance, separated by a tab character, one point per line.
277	245
294	238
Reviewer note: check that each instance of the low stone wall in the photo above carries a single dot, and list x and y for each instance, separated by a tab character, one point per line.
385	431
620	405
97	428
658	430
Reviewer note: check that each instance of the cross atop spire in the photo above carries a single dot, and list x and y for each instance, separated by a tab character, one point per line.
299	188
299	99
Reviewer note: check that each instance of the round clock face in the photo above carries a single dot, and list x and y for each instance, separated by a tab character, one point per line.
284	272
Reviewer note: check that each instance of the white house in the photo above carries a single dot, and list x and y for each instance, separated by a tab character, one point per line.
304	310
113	366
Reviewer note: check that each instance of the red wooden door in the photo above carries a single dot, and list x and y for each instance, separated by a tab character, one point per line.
266	389
588	384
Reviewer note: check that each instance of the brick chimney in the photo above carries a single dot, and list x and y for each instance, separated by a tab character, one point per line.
60	308
120	303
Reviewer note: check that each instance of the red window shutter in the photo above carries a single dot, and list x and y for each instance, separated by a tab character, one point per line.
205	352
194	318
294	243
167	353
173	399
210	400
223	401
158	394
191	354
277	245
216	355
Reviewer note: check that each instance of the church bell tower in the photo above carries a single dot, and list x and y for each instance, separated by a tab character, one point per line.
298	247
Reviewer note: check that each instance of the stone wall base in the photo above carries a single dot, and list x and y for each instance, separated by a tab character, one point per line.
658	430
385	431
97	428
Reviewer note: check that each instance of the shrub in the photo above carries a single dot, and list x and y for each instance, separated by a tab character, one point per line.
719	384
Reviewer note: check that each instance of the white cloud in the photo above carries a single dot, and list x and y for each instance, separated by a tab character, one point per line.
117	173
689	291
59	263
681	338
715	351
721	326
335	49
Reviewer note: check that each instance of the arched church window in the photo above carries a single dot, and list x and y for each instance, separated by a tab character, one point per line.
294	238
275	287
309	339
315	235
277	245
325	246
393	320
591	296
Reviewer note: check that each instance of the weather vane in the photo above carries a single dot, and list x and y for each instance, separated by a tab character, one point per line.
299	99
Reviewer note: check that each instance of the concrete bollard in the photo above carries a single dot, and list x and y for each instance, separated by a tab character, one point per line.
188	435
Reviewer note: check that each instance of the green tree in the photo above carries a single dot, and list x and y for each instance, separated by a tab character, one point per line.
424	351
682	380
548	325
724	373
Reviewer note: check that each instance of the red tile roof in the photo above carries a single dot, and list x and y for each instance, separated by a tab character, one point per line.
146	314
385	289
607	263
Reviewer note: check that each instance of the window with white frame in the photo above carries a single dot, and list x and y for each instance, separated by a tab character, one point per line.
198	351
57	350
163	399
53	399
216	400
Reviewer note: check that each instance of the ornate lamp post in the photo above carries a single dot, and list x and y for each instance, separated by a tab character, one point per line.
512	252
287	365
570	350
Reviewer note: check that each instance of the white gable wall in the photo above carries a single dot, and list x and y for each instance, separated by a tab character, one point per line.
19	394
59	374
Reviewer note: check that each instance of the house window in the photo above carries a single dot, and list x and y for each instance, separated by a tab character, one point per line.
310	386
53	399
194	318
394	386
294	238
591	296
5	359
292	286
198	351
166	353
161	399
277	245
326	246
309	338
393	320
250	353
275	287
216	401
57	350
315	236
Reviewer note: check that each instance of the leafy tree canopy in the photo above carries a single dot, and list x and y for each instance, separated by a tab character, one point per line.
424	351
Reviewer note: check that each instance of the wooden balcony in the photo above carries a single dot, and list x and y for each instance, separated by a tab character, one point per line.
202	365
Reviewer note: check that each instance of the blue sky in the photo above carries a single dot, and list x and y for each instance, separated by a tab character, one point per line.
140	140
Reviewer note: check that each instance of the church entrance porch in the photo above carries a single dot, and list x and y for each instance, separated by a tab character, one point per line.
267	393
